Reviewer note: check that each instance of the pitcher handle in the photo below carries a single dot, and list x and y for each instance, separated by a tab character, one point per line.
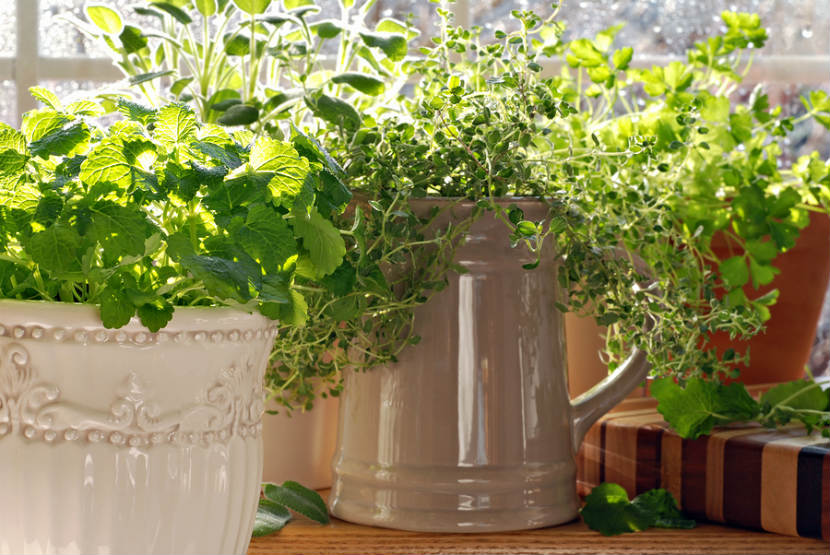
588	407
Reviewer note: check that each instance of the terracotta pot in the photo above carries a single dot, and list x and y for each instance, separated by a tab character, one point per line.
126	441
473	430
782	351
300	447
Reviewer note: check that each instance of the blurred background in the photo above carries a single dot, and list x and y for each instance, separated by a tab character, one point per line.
38	47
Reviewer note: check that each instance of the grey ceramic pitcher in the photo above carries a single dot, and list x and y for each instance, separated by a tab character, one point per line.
473	430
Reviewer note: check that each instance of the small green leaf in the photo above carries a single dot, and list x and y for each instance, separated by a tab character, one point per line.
132	39
622	58
327	29
608	511
61	142
252	6
144	77
288	168
270	517
206	7
661	508
179	85
266	237
176	12
104	18
299	499
155	316
239	114
175	126
701	405
322	240
56	249
47	97
366	84
116	308
336	111
734	271
392	44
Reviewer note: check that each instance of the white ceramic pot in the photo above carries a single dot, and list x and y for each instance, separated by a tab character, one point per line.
125	441
472	430
300	447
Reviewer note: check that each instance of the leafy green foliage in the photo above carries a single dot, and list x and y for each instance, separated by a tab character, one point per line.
299	499
157	211
273	511
695	408
608	510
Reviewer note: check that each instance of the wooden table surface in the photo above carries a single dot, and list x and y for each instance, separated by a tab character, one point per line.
303	537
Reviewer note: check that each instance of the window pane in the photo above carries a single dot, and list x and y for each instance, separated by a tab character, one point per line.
8	102
671	26
59	38
8	28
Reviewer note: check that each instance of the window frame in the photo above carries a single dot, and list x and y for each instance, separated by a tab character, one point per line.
27	67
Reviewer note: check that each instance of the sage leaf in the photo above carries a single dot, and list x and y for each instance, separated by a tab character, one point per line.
239	114
253	7
362	82
144	77
177	13
299	499
391	44
104	18
270	517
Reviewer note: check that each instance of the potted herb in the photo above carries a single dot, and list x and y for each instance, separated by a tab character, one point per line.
142	267
299	68
660	179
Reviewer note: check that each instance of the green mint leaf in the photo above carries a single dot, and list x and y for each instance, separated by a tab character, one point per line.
12	139
223	278
299	499
116	308
175	126
39	123
296	312
324	243
288	168
56	249
661	506
107	163
61	142
120	229
266	237
47	97
155	315
608	511
135	111
694	410
800	399
270	517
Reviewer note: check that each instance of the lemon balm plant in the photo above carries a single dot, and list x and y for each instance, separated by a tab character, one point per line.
158	211
142	264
